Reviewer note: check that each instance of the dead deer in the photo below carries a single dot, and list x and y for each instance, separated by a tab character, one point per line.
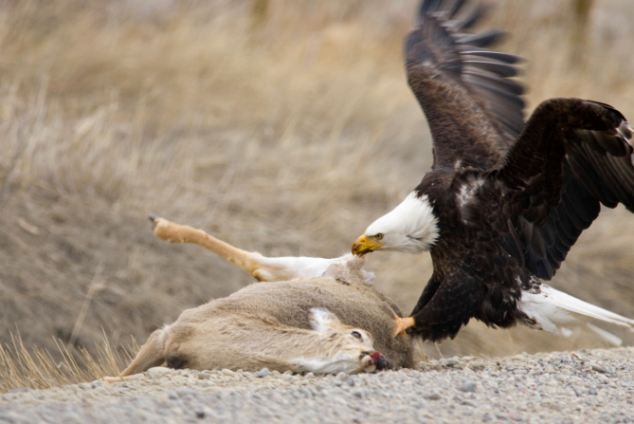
316	315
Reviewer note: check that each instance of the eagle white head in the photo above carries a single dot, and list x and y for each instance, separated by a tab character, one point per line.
410	227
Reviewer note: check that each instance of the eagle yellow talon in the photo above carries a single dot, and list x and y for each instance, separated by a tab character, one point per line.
402	324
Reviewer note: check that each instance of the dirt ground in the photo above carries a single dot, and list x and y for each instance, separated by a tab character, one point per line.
563	387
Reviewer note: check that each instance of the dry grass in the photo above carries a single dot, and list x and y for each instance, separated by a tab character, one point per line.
283	129
37	368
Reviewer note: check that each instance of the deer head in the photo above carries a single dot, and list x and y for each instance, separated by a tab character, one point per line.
343	348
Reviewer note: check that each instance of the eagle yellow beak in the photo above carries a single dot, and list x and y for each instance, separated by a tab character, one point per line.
365	244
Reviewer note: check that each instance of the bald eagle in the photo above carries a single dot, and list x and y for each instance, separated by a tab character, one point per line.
505	199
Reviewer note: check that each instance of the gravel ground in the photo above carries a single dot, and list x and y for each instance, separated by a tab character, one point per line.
569	387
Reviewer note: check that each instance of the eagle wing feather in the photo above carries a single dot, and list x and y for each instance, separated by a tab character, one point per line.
573	156
473	106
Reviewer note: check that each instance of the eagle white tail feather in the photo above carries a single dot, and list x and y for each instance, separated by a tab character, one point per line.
613	339
551	308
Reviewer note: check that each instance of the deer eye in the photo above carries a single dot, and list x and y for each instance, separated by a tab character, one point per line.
357	335
379	236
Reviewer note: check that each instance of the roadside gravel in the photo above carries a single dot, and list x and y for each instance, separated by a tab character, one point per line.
566	387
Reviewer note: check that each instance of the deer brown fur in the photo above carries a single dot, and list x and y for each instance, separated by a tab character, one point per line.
331	322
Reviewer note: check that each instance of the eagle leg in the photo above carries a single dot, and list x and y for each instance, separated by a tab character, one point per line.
402	324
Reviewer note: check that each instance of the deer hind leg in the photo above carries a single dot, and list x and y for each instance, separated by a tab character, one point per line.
252	263
151	354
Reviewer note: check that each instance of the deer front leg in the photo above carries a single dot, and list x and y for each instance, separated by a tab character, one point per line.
251	262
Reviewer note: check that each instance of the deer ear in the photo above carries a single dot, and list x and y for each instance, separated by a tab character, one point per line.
323	320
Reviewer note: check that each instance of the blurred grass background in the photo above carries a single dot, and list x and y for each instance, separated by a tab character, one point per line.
281	126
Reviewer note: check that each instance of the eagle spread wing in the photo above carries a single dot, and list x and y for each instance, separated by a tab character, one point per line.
573	156
473	107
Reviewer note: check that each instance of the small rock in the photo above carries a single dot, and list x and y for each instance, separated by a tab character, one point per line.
432	396
600	369
185	392
264	372
157	372
451	362
469	387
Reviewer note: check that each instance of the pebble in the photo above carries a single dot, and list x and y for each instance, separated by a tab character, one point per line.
158	371
450	362
469	387
599	368
264	372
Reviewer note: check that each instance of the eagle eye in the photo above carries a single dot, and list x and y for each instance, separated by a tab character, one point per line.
356	335
379	236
